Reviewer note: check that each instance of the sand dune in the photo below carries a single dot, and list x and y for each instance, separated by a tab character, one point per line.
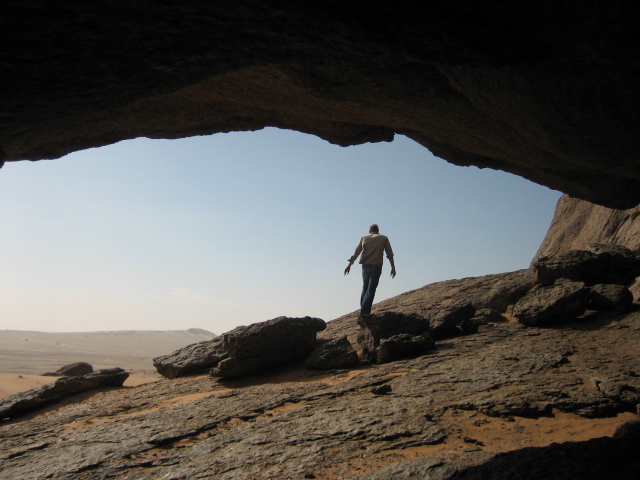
34	353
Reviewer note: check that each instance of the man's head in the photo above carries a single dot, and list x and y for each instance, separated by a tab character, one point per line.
373	228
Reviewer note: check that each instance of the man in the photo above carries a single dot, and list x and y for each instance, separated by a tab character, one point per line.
372	247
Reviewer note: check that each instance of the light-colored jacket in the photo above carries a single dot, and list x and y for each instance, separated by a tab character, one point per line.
372	246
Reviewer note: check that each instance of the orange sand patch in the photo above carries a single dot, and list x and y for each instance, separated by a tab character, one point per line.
472	430
469	429
12	383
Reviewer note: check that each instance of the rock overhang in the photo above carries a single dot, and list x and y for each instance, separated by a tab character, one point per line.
545	91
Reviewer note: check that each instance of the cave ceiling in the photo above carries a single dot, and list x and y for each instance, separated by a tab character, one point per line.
546	90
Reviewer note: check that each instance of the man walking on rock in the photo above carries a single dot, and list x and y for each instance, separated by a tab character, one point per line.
372	247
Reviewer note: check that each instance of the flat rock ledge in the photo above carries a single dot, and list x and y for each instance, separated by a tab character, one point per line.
25	402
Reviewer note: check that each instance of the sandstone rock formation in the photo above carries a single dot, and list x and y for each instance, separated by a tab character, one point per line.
194	358
245	350
602	264
21	403
335	353
505	389
552	304
435	301
72	370
404	335
544	90
610	297
576	265
577	223
266	345
403	345
552	292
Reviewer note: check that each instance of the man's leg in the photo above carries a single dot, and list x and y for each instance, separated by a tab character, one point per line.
370	278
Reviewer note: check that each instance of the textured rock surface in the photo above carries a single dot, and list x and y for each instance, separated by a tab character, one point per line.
440	416
403	345
336	353
266	345
621	262
601	264
197	357
376	327
436	300
576	265
577	223
24	402
550	94
552	304
610	297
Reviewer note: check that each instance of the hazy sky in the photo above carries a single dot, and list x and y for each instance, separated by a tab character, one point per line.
232	229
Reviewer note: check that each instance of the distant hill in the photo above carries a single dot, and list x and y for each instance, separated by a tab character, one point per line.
33	353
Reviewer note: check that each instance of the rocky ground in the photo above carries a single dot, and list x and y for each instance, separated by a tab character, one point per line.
504	389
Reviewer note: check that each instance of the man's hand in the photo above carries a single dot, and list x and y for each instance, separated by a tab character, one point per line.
393	272
347	270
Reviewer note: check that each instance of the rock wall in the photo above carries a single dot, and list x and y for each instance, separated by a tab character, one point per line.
577	223
545	90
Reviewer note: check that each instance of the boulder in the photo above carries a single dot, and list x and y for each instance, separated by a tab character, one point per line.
269	344
551	304
503	290
335	353
610	297
194	358
621	262
403	345
378	327
576	265
451	318
601	263
24	402
71	370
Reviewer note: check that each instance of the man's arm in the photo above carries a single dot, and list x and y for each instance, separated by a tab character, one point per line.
348	269
387	248
353	257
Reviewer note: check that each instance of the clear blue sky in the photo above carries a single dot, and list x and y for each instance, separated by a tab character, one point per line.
232	229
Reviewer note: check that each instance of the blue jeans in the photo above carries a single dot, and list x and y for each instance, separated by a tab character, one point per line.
370	278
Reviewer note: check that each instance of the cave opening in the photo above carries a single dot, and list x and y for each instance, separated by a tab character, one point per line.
229	229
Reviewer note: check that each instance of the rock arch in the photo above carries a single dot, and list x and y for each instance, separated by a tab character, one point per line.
547	91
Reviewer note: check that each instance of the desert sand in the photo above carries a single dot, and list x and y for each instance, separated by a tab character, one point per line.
26	355
11	383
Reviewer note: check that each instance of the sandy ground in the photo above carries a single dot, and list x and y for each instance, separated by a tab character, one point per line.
26	355
11	383
35	353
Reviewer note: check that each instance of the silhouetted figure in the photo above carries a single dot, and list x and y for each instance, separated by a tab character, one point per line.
372	247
